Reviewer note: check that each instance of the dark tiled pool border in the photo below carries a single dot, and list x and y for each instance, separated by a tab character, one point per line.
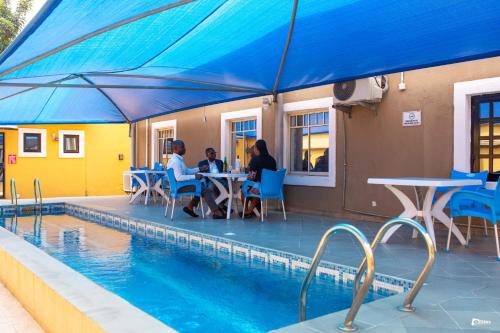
220	246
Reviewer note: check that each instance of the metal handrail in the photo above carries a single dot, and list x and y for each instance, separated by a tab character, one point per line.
13	193
407	304
358	299
38	195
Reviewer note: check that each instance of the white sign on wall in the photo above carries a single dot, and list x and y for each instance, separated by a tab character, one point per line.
412	118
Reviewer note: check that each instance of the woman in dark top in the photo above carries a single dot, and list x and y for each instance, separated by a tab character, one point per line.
261	160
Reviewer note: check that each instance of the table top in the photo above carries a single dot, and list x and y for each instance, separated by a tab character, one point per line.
224	175
415	181
147	171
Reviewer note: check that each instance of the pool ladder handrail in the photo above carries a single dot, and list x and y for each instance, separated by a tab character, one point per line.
357	301
38	195
13	194
407	303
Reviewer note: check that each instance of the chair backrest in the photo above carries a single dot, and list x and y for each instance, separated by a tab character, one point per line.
471	175
171	180
157	166
271	183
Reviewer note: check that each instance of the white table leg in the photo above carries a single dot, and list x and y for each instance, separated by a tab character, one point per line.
148	186
439	214
410	211
158	189
230	199
223	193
427	213
142	188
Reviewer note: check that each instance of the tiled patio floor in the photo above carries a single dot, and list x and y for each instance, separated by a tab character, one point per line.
463	286
13	317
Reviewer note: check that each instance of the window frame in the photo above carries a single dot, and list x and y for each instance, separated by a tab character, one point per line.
43	142
80	142
308	179
155	127
476	137
227	118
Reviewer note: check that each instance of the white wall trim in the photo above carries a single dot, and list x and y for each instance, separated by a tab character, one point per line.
462	93
308	180
20	140
225	122
156	126
81	144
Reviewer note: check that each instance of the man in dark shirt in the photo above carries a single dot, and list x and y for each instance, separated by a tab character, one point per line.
261	160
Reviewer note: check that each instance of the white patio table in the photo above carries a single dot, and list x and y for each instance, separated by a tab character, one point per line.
428	210
225	193
148	186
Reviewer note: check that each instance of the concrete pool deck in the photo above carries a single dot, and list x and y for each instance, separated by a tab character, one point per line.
13	316
461	293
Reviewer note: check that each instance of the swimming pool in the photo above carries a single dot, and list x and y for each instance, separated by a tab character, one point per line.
190	289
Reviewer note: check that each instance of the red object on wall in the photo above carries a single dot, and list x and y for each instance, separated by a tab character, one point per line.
12	159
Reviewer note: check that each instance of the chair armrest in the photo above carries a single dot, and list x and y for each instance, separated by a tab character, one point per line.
193	182
477	197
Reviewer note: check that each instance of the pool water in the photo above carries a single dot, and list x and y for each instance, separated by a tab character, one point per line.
190	291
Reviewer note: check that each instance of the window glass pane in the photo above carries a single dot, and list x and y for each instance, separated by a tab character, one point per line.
483	164
71	144
293	121
299	142
306	120
484	110
313	118
250	139
326	118
252	124
496	109
484	129
319	148
496	165
238	126
237	147
300	120
320	118
32	142
496	127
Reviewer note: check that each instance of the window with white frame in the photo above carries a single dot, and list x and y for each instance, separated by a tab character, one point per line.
239	131
243	136
71	144
309	143
163	133
164	139
32	142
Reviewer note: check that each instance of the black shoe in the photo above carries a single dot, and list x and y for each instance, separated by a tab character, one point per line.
189	212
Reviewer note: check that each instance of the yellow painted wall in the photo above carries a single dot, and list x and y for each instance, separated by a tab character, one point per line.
98	173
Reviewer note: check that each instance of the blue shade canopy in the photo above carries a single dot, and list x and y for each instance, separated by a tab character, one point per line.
105	61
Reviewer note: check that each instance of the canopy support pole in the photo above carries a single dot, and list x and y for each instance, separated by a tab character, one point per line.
159	77
117	86
69	77
285	51
95	33
107	97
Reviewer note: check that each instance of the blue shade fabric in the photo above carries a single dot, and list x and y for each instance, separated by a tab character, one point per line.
200	52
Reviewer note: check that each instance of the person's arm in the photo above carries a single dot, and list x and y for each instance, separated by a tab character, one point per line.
179	175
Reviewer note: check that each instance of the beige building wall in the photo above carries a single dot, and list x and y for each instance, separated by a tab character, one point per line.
377	144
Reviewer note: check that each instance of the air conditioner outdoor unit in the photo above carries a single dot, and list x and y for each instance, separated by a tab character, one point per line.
362	91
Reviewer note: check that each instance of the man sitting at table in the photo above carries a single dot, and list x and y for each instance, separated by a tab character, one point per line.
214	166
182	173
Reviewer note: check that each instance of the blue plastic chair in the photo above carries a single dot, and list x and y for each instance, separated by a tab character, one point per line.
270	187
484	204
175	186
